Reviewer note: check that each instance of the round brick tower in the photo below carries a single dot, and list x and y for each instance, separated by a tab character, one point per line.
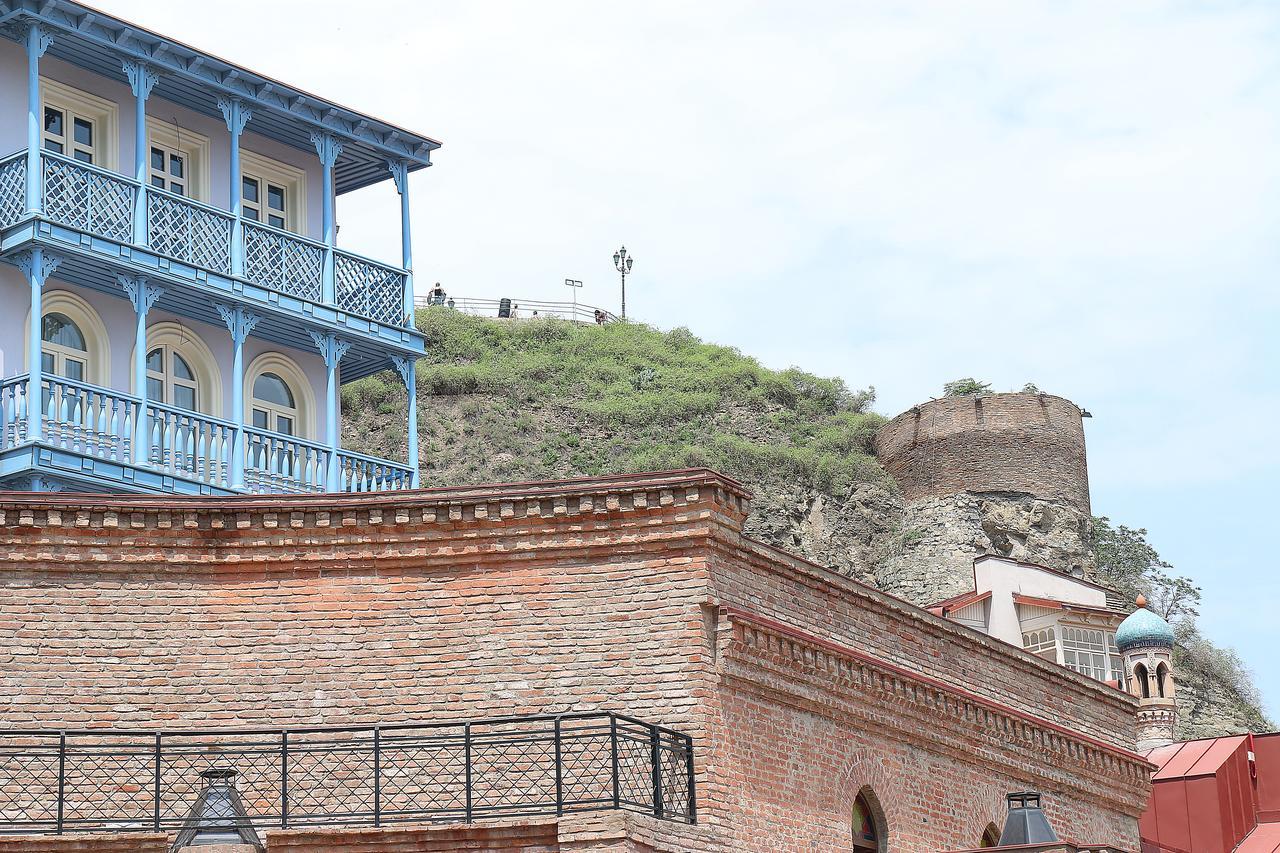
997	474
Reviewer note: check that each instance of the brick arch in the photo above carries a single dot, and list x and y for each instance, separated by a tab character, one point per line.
866	769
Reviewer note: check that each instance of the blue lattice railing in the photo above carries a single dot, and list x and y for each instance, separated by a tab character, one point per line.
189	231
360	473
283	261
13	188
369	288
99	202
87	198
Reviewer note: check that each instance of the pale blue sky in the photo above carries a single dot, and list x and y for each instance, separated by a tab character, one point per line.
1085	195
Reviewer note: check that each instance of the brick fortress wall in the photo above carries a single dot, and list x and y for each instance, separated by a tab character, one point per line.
1001	474
636	594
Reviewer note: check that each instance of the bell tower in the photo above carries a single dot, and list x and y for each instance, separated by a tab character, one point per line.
1146	642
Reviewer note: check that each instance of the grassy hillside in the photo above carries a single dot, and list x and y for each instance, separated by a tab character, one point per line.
547	398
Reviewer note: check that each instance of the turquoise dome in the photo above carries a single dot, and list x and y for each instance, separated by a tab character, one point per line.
1143	628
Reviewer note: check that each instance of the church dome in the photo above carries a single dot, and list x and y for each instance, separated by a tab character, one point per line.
1143	628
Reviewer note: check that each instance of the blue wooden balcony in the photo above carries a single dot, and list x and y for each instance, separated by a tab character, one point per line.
96	437
91	211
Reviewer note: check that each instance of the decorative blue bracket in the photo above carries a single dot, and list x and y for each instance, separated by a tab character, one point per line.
38	41
406	367
142	79
237	116
143	295
37	266
332	349
240	323
329	149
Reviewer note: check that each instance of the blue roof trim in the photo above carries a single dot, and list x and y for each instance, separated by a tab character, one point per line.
100	42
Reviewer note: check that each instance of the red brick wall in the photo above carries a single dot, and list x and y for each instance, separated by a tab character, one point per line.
602	595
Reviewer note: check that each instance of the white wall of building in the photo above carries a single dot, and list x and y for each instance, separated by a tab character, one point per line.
1005	578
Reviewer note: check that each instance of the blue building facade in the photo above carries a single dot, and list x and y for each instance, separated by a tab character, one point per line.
178	317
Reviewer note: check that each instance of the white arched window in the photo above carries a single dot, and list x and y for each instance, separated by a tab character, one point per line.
274	405
171	380
63	350
73	340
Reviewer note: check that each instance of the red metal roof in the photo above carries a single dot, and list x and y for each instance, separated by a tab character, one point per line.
1264	839
1203	798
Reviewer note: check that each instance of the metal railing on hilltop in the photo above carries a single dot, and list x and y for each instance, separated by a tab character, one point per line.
115	781
524	309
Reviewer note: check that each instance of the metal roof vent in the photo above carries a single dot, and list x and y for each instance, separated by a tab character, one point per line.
1026	823
218	817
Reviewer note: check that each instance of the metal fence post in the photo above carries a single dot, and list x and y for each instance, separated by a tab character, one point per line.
655	753
62	777
156	816
688	763
559	774
284	780
466	739
613	746
377	777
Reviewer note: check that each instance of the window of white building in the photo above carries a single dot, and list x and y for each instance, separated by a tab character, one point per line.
1042	643
170	379
1091	652
77	124
177	159
272	193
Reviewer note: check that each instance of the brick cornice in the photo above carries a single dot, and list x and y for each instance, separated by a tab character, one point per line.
760	635
800	657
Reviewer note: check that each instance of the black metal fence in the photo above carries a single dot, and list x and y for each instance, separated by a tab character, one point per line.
108	780
524	309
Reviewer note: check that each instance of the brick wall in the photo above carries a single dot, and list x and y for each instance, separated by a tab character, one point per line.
631	594
1028	443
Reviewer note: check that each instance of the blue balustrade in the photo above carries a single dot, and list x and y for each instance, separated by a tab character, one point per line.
86	419
100	423
283	464
13	412
360	473
190	445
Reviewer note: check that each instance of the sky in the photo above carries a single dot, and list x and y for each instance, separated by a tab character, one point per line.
1082	195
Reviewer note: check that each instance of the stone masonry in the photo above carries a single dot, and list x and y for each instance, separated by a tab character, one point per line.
637	594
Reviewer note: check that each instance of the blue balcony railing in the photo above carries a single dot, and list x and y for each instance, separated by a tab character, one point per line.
100	202
103	424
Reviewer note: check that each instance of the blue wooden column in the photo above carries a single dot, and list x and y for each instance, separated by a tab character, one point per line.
37	266
38	41
400	174
237	116
332	349
406	367
143	295
329	149
240	323
142	79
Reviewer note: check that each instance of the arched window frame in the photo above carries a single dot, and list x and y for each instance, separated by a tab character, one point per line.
196	353
80	312
1164	686
298	382
990	837
1142	685
875	814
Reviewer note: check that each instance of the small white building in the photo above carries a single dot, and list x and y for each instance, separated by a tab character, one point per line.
1057	616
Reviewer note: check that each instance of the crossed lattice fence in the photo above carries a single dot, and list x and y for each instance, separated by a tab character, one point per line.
94	781
13	189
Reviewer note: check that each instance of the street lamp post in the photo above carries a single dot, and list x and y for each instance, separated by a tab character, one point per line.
623	264
575	284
